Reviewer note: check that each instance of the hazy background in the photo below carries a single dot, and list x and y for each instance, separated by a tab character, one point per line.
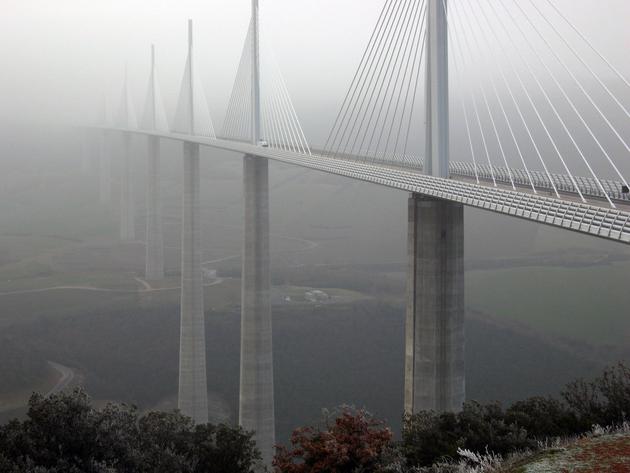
60	58
544	306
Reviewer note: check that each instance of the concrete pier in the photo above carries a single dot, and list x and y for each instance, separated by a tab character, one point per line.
127	207
434	332
154	258
193	390
104	169
256	393
87	141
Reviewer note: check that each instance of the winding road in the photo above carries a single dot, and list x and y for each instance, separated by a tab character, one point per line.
67	376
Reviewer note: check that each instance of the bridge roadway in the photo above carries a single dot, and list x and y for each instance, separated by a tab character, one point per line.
595	218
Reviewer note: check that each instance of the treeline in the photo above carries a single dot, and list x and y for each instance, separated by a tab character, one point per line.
354	441
65	434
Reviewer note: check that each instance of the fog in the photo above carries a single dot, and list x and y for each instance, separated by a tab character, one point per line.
59	59
552	303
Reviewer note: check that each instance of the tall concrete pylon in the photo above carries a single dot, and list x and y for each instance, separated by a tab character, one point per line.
104	169
193	118
127	195
154	119
127	119
86	150
154	248
256	409
434	352
434	330
193	388
104	158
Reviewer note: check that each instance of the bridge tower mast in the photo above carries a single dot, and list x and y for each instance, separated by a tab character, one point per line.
256	400
434	331
437	116
255	73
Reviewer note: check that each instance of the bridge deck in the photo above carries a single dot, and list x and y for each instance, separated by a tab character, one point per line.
594	219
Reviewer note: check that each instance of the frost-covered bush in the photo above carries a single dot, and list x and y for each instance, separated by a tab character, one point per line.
543	418
429	437
603	401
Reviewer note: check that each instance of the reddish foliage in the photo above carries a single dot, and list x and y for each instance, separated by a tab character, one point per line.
355	441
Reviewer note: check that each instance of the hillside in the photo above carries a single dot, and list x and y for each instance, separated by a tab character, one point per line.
602	453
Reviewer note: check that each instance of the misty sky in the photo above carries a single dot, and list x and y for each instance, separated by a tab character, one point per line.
60	57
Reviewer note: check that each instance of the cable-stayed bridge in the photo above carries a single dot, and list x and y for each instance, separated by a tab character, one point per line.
535	115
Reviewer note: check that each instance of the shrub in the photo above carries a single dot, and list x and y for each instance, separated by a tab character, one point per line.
614	388
603	401
543	418
484	427
355	442
65	434
429	436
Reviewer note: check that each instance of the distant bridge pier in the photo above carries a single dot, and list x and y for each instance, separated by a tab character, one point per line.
154	257
434	347
256	384
193	390
104	169
127	211
86	148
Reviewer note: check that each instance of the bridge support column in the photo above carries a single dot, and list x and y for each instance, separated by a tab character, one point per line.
256	392
104	170
434	332
86	148
127	211
193	390
154	259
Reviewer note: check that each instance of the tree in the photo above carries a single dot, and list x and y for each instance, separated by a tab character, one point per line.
65	434
543	417
224	449
429	436
603	401
355	442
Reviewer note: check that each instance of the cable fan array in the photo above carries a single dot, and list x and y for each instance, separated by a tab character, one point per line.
280	127
192	115
375	120
526	115
530	99
533	102
154	117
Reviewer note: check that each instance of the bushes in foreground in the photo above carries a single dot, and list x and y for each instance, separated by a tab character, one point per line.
353	442
64	433
429	437
604	401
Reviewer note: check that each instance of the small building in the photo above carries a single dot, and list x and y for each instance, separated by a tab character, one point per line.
316	296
